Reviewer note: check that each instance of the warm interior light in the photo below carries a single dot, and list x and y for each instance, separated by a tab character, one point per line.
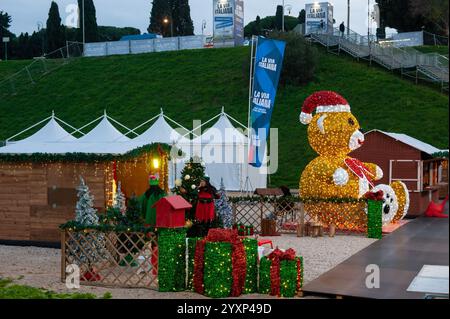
156	163
166	20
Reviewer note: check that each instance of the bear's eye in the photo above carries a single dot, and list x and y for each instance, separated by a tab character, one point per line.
351	122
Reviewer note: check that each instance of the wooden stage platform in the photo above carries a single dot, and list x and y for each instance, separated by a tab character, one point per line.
399	255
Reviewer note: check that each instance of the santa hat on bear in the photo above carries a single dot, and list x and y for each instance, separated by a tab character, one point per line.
322	101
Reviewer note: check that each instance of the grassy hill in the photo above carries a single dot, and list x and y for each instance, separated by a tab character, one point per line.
195	84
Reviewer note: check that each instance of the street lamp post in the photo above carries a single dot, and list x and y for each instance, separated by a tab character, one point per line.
282	19
84	29
6	40
348	17
203	26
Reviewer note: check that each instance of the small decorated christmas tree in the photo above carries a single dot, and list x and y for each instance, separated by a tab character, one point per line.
92	243
191	175
223	207
120	200
86	214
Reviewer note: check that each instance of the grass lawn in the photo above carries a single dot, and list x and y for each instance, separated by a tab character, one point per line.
440	49
9	290
196	84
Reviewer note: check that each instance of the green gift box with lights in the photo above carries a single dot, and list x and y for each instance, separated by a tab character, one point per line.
225	265
281	274
171	259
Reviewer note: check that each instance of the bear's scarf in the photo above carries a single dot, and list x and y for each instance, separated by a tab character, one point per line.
359	169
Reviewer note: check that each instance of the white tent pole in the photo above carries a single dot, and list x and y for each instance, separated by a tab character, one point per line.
195	128
99	118
148	121
29	128
176	123
118	123
236	121
72	127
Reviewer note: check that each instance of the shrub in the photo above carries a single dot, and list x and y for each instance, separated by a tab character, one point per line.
300	58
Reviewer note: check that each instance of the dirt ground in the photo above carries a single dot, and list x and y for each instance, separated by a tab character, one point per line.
40	267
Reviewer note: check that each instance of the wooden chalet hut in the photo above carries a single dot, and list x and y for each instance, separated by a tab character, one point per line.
401	157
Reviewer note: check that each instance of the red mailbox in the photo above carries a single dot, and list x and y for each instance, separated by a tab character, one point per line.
170	211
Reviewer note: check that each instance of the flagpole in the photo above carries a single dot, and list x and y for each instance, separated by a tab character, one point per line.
250	94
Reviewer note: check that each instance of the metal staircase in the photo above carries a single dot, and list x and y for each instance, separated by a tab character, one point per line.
432	67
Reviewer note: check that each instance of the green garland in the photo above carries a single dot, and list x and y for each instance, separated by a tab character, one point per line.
83	157
192	242
264	276
217	276
171	259
441	154
251	276
295	199
135	228
374	219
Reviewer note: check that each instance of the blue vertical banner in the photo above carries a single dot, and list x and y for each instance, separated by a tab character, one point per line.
267	69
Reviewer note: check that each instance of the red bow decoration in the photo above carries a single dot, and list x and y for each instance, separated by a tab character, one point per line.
359	169
378	196
276	257
238	259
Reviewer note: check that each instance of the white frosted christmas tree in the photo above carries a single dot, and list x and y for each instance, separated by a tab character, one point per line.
223	207
92	243
120	200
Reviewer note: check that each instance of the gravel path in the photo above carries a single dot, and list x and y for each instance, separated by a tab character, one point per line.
40	267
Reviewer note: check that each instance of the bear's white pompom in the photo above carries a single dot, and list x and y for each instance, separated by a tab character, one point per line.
305	118
340	177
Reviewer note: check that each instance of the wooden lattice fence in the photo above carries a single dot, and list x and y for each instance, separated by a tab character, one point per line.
287	213
112	259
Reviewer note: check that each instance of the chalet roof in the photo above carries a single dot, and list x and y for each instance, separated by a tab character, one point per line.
411	141
176	201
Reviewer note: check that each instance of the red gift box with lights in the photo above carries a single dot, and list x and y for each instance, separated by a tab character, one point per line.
228	246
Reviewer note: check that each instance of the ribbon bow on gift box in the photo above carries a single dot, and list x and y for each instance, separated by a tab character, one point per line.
276	257
374	195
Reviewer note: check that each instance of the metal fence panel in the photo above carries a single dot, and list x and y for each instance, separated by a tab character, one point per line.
118	47
142	46
191	42
95	49
166	44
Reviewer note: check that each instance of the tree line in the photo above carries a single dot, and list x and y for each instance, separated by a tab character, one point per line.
167	17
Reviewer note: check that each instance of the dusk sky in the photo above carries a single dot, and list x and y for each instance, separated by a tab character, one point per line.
135	13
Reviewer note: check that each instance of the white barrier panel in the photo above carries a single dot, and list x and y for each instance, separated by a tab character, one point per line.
118	47
191	42
407	39
95	49
166	44
142	46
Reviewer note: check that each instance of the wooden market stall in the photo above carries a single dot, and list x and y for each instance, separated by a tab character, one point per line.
38	192
418	164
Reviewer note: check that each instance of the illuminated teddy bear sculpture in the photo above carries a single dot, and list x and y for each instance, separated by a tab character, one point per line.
333	132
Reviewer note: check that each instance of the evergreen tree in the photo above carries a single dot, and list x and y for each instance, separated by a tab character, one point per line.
256	27
90	25
191	175
85	212
177	12
54	31
120	200
302	16
160	10
184	24
223	207
279	18
5	23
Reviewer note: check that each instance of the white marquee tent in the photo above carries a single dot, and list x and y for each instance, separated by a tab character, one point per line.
222	147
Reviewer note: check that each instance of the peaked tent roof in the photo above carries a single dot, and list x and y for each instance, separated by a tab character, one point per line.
411	141
49	133
229	134
159	132
104	132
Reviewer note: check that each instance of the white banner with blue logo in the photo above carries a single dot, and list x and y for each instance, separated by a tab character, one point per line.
267	69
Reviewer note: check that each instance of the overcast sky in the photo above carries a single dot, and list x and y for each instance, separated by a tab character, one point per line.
135	13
